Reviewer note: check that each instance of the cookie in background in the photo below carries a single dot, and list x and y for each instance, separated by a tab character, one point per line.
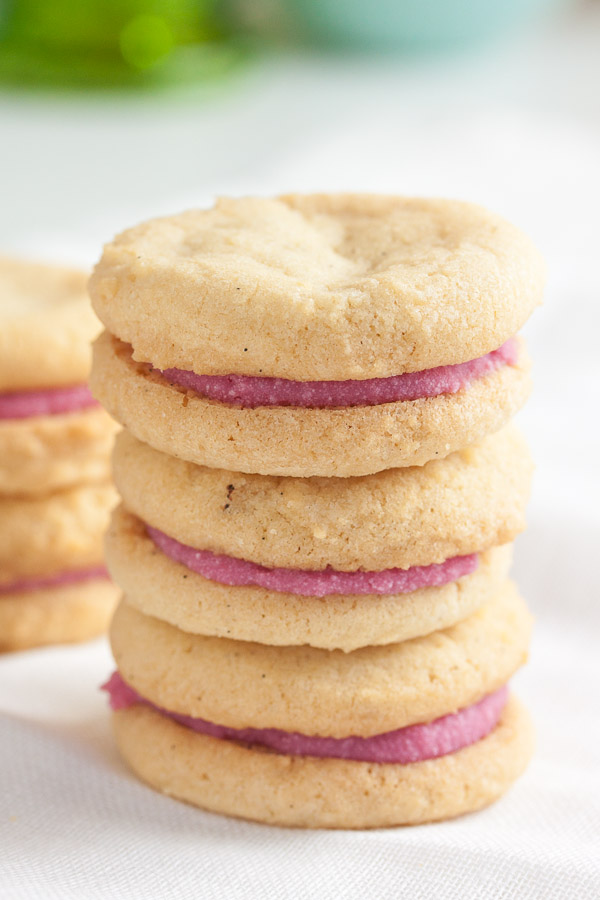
55	443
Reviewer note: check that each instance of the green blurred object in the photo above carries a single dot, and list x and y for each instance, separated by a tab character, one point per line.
411	24
113	43
145	40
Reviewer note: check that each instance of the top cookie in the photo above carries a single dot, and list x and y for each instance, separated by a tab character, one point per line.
318	287
46	326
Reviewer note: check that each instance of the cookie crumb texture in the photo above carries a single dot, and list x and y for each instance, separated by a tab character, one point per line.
318	287
291	441
472	500
318	692
246	782
160	587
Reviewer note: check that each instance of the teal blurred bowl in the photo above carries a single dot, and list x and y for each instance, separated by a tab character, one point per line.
412	23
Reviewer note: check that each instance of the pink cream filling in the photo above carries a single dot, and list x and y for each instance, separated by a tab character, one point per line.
405	745
49	581
26	404
310	583
254	390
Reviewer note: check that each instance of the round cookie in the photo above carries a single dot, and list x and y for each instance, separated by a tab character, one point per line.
301	442
468	502
56	615
237	780
48	453
157	586
46	326
60	532
318	287
318	692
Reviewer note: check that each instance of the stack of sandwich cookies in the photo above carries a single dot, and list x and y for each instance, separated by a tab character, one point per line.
55	440
318	504
293	736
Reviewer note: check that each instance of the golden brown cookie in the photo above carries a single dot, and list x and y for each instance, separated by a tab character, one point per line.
471	501
318	287
55	533
293	441
41	454
56	615
231	778
158	586
320	692
46	326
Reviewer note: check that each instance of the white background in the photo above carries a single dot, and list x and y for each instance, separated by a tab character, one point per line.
515	127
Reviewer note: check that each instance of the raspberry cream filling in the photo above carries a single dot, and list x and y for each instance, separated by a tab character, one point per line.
254	390
411	744
310	583
26	404
49	581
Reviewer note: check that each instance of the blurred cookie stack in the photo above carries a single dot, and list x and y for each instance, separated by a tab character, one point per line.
320	487
55	441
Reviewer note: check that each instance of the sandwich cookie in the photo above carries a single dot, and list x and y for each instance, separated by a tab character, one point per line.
466	503
53	434
289	441
246	781
157	585
54	586
319	335
317	692
377	737
334	563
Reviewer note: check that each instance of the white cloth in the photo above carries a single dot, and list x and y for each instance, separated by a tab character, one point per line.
74	824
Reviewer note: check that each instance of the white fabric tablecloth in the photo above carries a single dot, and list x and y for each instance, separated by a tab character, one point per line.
516	130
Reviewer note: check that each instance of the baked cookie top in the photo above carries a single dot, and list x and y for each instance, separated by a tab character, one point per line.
46	326
318	287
